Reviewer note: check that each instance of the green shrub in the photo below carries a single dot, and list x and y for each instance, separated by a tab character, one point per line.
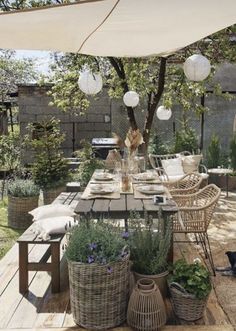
22	188
156	146
10	151
50	168
186	140
89	163
194	278
213	152
233	153
95	242
149	247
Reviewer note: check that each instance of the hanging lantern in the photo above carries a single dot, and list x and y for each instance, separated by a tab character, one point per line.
163	114
131	99
197	67
90	83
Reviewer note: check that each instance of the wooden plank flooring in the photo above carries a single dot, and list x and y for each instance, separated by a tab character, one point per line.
40	310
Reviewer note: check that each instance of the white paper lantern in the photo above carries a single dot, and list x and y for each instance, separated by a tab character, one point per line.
131	99
90	83
197	67
163	114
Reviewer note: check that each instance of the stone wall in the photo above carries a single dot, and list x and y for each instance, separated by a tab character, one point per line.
105	116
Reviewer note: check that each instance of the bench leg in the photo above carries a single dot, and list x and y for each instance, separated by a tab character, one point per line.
23	267
55	267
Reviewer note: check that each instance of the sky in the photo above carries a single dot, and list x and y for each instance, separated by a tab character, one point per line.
41	59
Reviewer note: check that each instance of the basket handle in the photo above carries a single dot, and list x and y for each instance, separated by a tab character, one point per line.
178	287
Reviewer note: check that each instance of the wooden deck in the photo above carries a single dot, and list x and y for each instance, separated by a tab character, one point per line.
40	310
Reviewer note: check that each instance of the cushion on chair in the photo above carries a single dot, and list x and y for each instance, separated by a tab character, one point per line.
191	163
173	167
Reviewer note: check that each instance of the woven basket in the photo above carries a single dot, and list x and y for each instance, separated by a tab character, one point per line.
18	208
146	310
99	298
186	306
50	195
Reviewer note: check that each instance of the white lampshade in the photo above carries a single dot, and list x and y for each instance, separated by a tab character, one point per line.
90	83
163	114
131	99
197	67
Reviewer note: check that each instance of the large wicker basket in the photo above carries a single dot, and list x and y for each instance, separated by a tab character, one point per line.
50	195
18	211
186	306
99	294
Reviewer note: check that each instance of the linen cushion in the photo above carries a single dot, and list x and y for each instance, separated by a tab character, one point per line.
53	225
52	210
191	163
173	167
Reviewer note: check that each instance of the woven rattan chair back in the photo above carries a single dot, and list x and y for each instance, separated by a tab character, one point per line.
190	183
195	214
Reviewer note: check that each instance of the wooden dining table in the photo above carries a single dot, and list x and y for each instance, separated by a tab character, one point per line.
120	208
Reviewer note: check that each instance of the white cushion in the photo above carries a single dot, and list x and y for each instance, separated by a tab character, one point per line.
51	211
191	163
53	225
171	178
173	167
204	175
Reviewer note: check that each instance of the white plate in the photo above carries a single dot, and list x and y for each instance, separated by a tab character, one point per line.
103	176
101	189
144	176
151	189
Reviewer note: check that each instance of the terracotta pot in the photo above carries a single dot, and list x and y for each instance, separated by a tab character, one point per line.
159	279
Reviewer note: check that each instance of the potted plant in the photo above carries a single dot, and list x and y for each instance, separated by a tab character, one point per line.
190	287
50	169
98	275
23	196
149	248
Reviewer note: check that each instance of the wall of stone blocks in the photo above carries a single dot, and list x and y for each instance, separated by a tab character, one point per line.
105	116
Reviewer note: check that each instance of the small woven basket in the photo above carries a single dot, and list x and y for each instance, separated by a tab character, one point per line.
18	211
99	296
186	306
50	195
146	310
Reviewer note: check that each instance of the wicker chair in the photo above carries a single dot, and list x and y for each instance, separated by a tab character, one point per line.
190	183
194	216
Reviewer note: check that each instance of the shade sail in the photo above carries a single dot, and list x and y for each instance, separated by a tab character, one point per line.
120	28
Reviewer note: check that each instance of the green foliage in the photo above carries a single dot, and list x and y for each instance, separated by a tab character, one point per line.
233	153
156	146
213	152
194	278
8	236
149	246
89	163
50	168
9	151
13	72
22	188
95	242
186	140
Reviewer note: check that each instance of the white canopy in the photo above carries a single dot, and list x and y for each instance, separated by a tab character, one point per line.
119	28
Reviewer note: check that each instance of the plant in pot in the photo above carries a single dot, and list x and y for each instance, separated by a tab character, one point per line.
190	287
98	275
150	243
50	169
23	196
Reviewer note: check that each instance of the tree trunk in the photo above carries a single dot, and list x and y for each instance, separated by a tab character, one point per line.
3	122
153	105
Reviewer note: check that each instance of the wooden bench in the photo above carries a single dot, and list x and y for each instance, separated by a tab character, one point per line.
53	251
